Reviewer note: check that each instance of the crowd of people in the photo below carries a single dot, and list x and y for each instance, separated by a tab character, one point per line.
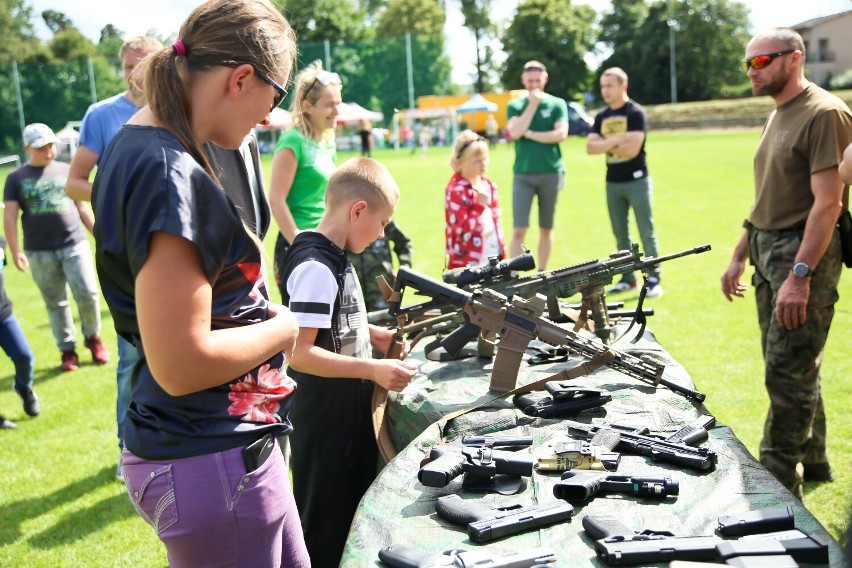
222	395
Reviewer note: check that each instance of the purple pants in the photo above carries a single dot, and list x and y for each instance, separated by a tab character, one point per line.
209	512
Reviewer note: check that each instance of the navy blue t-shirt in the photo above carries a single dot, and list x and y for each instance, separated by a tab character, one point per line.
146	183
612	122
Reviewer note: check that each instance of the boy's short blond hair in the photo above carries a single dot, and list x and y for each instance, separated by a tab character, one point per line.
361	179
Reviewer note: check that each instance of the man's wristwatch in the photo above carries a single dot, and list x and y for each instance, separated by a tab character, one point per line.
802	270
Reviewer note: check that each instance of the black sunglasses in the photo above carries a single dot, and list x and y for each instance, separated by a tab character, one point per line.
761	61
280	92
529	68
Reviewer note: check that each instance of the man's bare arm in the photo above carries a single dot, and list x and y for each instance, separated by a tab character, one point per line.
555	136
78	187
792	300
518	125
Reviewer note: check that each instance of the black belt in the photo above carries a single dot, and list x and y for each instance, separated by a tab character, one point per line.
794	229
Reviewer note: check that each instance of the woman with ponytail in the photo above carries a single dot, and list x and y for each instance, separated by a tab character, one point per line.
185	282
304	158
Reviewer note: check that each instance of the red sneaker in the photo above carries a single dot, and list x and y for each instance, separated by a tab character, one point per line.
98	349
70	361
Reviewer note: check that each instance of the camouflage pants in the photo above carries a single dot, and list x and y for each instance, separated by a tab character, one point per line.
794	432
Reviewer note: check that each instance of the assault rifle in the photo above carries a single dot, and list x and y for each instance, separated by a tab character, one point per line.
517	322
658	449
588	278
485	524
401	556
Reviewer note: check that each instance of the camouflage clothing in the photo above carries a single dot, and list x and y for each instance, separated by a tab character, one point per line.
794	432
376	260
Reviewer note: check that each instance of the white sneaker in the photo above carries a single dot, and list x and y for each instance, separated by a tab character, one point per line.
119	475
623	286
654	291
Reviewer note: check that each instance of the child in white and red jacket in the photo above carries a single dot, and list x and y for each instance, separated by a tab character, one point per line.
474	231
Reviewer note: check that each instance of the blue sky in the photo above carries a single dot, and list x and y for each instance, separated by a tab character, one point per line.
138	17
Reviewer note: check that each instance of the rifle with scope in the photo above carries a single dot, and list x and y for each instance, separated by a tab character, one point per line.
517	322
588	278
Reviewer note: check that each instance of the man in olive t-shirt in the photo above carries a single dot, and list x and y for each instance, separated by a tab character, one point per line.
792	241
537	123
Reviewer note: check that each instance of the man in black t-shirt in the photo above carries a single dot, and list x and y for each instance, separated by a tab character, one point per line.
620	130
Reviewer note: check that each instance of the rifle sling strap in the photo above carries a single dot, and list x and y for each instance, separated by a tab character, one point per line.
380	425
590	366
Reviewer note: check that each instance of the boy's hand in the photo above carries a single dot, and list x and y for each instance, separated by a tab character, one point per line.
21	261
392	374
381	338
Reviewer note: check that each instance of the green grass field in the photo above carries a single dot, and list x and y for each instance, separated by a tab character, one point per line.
60	505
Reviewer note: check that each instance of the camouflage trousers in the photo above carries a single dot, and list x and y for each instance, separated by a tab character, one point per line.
795	431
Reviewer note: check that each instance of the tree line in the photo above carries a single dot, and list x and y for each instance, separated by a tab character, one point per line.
365	43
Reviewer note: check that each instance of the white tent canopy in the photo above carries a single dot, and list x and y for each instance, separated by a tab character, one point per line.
477	103
353	112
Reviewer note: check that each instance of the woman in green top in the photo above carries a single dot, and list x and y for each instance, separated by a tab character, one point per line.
304	158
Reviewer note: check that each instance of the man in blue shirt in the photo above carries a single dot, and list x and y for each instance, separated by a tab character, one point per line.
102	120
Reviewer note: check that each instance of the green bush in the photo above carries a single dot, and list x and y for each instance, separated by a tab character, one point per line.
842	81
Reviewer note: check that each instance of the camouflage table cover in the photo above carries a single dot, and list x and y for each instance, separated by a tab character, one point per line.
397	509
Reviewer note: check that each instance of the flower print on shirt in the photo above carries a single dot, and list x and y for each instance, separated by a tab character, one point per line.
257	400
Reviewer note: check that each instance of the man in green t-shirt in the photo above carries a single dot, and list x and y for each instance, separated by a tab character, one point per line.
537	123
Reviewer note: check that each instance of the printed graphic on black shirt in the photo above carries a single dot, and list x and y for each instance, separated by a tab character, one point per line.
614	126
352	318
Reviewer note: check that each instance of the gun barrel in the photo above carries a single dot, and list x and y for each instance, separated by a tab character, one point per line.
652	261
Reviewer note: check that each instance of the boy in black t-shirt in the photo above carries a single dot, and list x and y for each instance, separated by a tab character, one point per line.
55	249
334	451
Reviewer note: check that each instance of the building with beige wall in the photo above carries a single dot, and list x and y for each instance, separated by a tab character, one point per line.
828	46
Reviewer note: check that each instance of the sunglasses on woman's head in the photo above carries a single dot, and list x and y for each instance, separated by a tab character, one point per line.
325	79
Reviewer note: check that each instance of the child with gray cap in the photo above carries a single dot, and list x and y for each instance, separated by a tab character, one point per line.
55	249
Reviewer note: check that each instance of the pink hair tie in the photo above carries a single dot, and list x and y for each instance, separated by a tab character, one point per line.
179	48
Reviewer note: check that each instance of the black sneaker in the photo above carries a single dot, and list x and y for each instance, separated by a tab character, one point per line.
818	472
31	404
6	424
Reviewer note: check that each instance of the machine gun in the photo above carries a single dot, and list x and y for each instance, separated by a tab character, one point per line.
517	322
658	449
401	556
590	279
485	524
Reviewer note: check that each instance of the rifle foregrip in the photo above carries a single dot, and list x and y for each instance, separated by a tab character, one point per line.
460	511
401	556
